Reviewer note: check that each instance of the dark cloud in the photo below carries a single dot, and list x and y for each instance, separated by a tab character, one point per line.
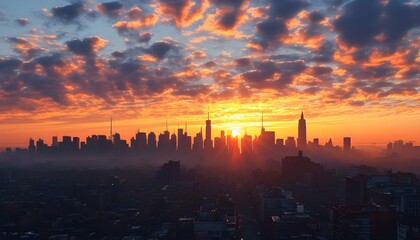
359	23
118	54
286	9
321	70
289	70
325	53
9	65
362	54
17	40
49	61
126	67
242	62
231	12
362	21
69	12
45	87
229	19
85	47
110	8
145	37
192	90
22	21
316	17
380	72
159	49
269	31
275	75
405	88
210	64
399	18
159	84
232	3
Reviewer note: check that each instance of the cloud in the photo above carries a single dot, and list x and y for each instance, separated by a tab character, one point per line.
325	53
286	9
9	65
45	87
22	21
229	15
399	18
192	90
69	12
137	19
268	32
199	54
316	17
363	23
87	46
242	62
182	13
210	64
159	49
26	47
110	8
118	54
274	75
321	70
49	63
145	37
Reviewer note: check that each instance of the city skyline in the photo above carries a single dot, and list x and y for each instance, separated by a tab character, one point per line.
66	67
235	129
183	141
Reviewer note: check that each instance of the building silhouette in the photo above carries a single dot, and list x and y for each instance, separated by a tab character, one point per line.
301	141
151	141
198	141
208	143
346	143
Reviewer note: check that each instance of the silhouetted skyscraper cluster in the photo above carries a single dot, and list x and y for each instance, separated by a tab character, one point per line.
264	145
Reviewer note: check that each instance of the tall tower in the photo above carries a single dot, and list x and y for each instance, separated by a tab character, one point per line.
208	143
301	141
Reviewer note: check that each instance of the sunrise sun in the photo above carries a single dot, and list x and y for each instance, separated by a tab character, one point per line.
236	132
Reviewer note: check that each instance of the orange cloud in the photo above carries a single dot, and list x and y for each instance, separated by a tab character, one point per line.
226	20
143	22
184	12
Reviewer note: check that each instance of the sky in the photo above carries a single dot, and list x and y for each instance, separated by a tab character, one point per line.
353	67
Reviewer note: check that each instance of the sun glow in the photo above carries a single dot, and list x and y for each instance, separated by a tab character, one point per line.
236	132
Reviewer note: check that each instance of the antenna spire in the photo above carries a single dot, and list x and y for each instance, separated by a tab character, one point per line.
166	123
262	119
110	132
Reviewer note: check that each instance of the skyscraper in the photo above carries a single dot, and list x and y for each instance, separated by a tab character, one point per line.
346	143
208	143
301	141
